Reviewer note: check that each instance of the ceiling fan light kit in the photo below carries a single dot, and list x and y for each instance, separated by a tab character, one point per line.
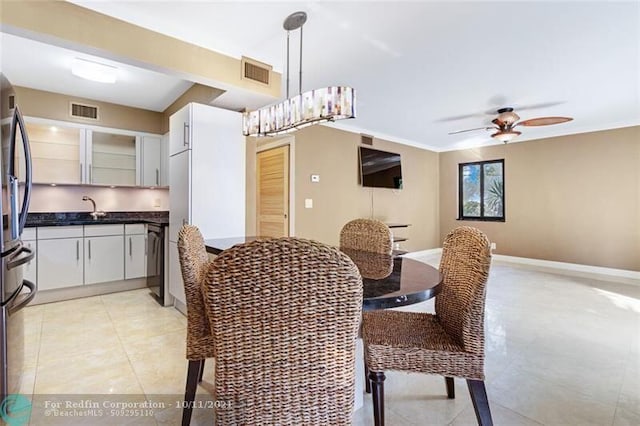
312	107
507	120
506	136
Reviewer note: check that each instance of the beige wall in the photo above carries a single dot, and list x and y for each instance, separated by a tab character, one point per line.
47	198
339	198
54	106
569	199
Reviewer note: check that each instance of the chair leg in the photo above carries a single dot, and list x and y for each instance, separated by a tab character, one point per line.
451	390
480	402
190	391
367	381
201	371
377	384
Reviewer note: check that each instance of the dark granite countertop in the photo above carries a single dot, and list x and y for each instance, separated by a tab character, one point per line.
83	218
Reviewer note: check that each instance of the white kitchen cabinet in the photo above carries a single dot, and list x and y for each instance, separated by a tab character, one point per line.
57	152
207	178
60	257
151	160
164	160
176	285
135	258
30	269
180	130
71	153
103	253
111	158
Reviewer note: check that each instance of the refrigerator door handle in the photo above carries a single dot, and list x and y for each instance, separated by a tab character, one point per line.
17	260
21	217
22	299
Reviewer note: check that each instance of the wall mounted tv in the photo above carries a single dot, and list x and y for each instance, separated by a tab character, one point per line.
380	169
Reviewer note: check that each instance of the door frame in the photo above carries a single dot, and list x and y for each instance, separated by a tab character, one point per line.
286	140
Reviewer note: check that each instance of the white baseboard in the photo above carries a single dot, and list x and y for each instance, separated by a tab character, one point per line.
574	269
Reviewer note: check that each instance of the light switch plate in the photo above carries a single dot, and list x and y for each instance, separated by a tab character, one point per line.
308	203
315	178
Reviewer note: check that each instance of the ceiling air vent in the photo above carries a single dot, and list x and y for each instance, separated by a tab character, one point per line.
84	111
12	101
256	71
366	139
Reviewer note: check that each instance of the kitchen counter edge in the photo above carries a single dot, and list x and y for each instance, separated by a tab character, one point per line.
83	218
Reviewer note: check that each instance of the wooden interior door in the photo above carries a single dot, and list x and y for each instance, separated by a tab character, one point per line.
272	200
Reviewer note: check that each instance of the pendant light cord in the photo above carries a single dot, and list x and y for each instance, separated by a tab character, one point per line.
287	64
300	80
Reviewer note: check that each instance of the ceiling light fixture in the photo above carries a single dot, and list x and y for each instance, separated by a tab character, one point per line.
506	135
94	71
312	107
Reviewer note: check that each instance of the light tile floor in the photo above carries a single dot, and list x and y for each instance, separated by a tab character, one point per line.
560	350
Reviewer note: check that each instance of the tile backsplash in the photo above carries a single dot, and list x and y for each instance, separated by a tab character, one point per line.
46	198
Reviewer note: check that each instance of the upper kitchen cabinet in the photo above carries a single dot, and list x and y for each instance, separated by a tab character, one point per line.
151	148
57	153
180	124
111	159
68	153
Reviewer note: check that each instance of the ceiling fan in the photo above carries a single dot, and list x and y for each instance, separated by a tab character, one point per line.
507	121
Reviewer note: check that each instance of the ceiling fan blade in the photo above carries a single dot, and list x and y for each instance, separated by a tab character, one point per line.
518	107
471	130
459	117
544	121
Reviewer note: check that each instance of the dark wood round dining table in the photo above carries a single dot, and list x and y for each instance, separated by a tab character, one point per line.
388	281
393	281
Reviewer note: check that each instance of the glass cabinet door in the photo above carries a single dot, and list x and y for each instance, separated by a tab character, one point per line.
112	159
56	152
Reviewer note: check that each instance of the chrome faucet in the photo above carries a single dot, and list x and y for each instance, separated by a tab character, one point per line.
95	213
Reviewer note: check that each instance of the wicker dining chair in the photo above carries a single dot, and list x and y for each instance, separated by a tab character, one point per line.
287	312
449	343
193	264
367	235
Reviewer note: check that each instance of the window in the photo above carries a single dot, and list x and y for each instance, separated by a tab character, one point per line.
481	191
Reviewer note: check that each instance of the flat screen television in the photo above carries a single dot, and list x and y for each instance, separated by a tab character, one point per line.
380	169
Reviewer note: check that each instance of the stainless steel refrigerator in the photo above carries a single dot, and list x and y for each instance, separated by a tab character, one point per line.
15	291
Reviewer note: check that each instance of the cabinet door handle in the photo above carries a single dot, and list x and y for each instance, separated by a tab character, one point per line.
157	177
145	246
90	170
77	249
186	135
89	249
80	172
130	249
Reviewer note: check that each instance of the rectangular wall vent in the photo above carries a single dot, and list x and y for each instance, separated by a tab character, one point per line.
12	101
84	111
366	139
256	71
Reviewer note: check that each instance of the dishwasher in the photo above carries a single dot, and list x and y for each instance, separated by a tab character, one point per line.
155	262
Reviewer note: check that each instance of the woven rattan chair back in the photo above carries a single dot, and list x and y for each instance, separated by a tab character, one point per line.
368	235
193	264
287	313
465	262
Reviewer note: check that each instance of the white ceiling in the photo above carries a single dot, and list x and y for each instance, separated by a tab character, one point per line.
42	66
421	69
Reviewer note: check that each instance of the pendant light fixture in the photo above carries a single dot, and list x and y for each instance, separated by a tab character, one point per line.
304	109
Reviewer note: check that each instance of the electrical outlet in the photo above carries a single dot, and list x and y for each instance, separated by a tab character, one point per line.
493	246
156	202
308	203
